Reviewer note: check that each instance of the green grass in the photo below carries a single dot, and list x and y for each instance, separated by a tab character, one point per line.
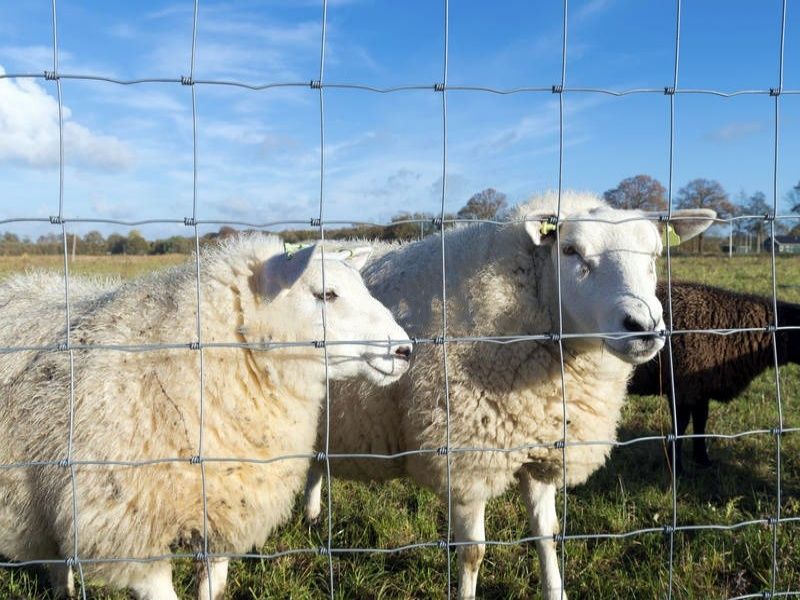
632	492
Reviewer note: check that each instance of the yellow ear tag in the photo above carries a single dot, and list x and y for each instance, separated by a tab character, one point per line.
546	228
672	238
291	248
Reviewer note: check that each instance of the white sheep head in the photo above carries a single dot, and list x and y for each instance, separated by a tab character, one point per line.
608	272
291	287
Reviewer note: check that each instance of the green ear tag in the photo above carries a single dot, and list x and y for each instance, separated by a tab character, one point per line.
546	228
291	248
672	238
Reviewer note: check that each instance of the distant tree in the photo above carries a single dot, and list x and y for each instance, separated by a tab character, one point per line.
136	244
640	191
794	198
705	193
92	243
115	244
418	225
757	205
226	231
483	205
173	245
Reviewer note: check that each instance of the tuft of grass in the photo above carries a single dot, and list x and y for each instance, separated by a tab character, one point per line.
631	495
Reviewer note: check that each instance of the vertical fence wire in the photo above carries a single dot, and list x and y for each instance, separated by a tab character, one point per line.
203	556
74	560
562	536
673	449
445	372
329	541
775	324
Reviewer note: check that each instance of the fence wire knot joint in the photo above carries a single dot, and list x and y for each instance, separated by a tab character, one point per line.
443	545
554	337
187	80
668	530
776	431
669	91
315	222
56	220
322	551
442	451
189	221
315	84
771	328
557	89
438	87
321	456
775	91
64	463
201	557
438	340
436	222
559	444
319	343
71	561
671	437
195	460
62	347
194	345
51	76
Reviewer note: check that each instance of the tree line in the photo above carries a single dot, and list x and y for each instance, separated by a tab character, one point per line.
637	192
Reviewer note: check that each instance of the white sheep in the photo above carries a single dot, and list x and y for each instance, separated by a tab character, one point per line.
144	406
502	281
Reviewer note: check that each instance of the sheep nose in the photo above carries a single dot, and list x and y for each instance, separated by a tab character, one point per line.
403	352
632	324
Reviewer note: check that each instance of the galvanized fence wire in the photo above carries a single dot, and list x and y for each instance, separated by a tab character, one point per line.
558	337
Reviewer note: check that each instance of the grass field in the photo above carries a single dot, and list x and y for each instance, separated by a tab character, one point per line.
632	492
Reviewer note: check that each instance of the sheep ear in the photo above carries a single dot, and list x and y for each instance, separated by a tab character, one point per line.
685	224
542	232
356	257
359	256
282	271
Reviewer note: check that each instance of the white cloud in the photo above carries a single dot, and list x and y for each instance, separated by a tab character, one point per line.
734	131
29	132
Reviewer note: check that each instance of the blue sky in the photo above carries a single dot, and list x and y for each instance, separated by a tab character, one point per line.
128	151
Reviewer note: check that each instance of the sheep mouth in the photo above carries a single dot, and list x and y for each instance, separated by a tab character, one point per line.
388	365
635	350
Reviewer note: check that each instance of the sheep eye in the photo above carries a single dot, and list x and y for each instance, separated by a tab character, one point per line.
328	296
569	250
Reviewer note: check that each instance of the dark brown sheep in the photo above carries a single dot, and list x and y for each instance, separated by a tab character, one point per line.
714	366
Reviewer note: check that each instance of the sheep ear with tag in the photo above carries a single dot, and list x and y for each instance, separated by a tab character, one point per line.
685	224
541	230
282	270
356	257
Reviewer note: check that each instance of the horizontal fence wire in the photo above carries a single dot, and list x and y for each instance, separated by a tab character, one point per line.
318	85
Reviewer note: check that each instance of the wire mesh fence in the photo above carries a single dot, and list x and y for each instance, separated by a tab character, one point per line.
448	544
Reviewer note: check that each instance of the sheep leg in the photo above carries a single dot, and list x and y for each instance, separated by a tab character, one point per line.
684	416
540	500
62	580
699	420
155	583
468	527
313	494
211	578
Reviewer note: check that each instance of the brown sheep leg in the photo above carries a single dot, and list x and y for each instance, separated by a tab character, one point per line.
684	415
699	420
